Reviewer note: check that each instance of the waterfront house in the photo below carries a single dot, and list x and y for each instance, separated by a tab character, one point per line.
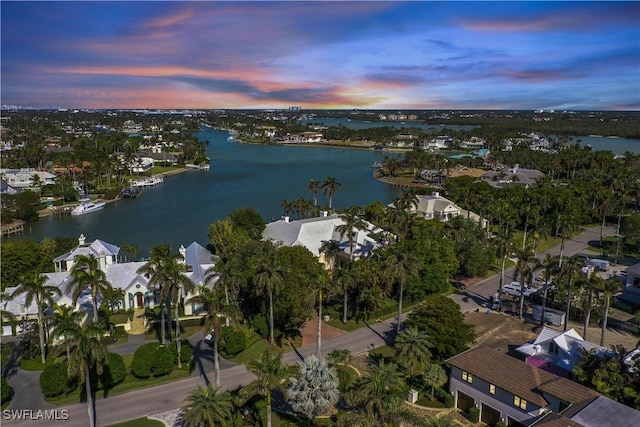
506	389
137	291
435	206
22	179
557	351
312	233
515	176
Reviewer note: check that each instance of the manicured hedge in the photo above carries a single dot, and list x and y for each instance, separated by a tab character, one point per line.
444	397
113	371
54	380
153	360
232	341
186	351
474	415
5	390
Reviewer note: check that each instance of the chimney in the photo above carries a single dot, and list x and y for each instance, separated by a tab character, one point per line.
81	240
324	214
285	219
183	253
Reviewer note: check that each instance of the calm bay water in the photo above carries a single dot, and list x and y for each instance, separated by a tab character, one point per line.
180	210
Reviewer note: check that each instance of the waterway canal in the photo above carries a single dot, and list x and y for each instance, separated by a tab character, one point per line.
180	210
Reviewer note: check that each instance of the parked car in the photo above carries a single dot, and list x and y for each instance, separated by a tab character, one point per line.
209	338
600	264
514	289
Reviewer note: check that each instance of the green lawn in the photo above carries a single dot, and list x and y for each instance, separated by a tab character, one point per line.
140	422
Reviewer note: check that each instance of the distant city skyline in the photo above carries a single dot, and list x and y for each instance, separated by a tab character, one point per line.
365	54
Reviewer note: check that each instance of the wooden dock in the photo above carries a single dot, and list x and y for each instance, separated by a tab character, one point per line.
16	227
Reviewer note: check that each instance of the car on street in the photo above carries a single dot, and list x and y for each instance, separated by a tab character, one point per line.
209	338
514	289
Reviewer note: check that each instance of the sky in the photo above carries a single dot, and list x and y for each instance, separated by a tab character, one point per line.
321	54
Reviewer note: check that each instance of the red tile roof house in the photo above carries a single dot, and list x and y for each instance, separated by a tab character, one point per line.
506	389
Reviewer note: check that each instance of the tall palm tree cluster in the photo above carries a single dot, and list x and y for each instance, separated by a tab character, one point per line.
303	208
574	285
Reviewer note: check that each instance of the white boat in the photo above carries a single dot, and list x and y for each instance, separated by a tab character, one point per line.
87	206
204	166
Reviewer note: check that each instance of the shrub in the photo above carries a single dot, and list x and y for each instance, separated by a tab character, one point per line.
444	397
30	341
152	360
500	424
474	415
6	354
232	341
54	380
192	322
113	371
5	391
260	325
186	351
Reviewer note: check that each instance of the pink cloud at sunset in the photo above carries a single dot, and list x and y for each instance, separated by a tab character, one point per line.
166	54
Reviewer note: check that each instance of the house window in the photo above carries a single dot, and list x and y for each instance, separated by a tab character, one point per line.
492	389
553	348
520	403
466	376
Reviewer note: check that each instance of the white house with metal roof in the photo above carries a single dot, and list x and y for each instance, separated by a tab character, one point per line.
138	293
312	233
557	351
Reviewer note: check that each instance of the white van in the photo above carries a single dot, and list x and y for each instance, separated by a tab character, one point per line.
514	289
600	264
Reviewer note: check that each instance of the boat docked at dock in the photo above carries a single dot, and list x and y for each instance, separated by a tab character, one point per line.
204	166
147	182
131	192
86	206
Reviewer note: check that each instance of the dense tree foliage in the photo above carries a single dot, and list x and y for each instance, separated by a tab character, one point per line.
610	375
440	317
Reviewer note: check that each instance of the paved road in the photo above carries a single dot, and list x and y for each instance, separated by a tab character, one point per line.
169	396
152	400
478	294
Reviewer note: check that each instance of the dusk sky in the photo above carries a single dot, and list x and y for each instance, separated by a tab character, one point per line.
366	55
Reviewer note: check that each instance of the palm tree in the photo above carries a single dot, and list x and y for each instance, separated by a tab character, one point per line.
268	280
345	280
331	249
270	372
211	300
321	281
503	250
605	207
34	286
379	391
313	187
569	271
88	355
154	270
412	346
399	265
177	286
525	266
434	376
65	317
330	186
564	227
590	287
548	264
352	224
609	287
86	273
207	407
315	389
